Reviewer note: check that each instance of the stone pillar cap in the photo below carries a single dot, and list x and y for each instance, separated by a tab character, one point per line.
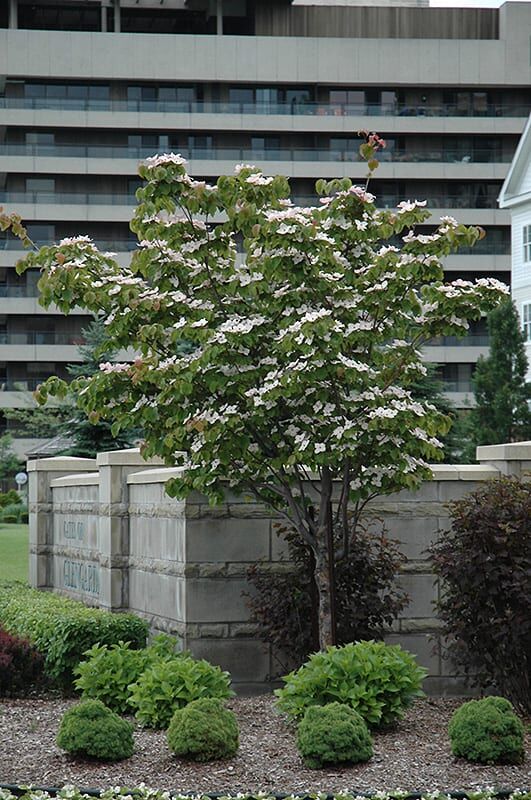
512	451
62	464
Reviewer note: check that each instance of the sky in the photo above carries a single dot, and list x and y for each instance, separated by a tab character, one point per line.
473	3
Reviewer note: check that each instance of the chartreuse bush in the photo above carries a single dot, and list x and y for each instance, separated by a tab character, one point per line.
487	731
62	629
378	680
168	685
333	734
108	670
204	730
91	729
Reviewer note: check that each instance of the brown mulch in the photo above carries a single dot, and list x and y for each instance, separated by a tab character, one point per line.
415	756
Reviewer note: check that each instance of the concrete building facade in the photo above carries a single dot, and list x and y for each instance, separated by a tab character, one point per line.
87	89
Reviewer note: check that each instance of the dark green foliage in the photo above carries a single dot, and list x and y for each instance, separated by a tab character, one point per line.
168	685
21	666
10	463
90	436
378	680
91	729
10	498
63	629
484	563
367	597
14	513
487	731
107	671
333	734
429	388
502	395
204	730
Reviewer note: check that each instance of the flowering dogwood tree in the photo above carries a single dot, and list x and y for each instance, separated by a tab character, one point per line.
283	373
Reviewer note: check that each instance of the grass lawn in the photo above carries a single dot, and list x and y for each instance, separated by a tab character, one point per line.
13	552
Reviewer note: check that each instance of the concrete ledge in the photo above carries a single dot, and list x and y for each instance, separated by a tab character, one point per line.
87	479
464	472
155	475
62	464
514	451
125	458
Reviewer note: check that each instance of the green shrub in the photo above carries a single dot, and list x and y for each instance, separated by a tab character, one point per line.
169	685
378	680
62	629
91	729
13	513
107	671
333	734
486	611
487	731
204	730
9	498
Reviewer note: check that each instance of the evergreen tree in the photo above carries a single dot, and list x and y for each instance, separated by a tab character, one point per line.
429	388
92	436
502	412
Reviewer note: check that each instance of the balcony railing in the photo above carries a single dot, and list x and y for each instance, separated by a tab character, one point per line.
18	291
471	340
309	108
238	154
41	337
113	245
23	385
96	198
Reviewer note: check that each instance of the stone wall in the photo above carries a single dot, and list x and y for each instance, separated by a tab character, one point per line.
105	532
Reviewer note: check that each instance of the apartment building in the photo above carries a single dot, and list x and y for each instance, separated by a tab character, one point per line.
90	87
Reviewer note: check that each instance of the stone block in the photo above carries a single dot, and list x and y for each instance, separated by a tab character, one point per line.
158	595
38	571
415	534
222	540
442	686
160	538
246	660
455	490
422	591
216	600
422	646
279	546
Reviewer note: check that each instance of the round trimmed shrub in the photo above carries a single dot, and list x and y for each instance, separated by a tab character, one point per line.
487	731
377	680
204	730
91	729
333	734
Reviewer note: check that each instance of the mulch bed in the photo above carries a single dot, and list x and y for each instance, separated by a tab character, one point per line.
415	755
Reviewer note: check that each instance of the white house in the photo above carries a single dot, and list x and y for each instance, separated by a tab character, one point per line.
516	196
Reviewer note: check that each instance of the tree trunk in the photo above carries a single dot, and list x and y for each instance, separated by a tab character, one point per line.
324	566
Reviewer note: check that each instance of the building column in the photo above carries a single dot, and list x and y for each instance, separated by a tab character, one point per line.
103	13
117	17
41	473
219	17
13	14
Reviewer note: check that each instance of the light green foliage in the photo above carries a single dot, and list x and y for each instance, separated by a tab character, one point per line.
91	729
107	672
10	498
14	513
333	734
169	685
63	629
10	463
204	730
488	732
378	680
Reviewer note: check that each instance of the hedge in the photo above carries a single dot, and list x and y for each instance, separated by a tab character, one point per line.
62	629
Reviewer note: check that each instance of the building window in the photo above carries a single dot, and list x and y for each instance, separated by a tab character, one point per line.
526	321
527	243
